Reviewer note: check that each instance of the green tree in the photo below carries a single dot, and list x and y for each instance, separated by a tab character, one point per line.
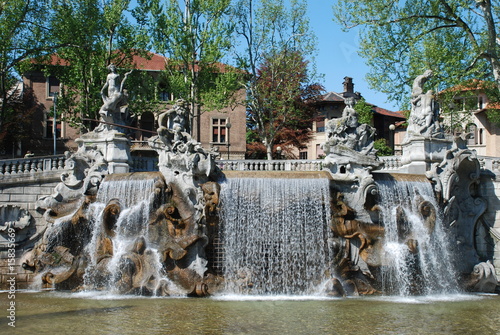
97	33
364	110
382	148
194	36
24	34
276	46
456	39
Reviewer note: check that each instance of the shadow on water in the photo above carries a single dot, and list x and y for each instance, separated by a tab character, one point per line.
85	312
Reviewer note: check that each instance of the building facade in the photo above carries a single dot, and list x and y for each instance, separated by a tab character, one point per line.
223	129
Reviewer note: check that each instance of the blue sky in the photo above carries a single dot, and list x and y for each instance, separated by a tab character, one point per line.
337	54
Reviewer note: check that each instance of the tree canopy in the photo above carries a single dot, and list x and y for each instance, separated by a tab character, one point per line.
276	42
194	36
24	34
456	39
282	112
94	34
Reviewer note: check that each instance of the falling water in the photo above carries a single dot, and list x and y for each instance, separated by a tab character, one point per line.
275	234
428	270
135	198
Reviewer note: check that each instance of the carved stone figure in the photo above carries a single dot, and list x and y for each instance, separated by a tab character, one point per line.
114	100
174	123
482	278
358	248
423	119
84	171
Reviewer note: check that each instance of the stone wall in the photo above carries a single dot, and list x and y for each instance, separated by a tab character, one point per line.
20	192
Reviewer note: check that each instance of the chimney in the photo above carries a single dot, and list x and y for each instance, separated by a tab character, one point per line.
348	86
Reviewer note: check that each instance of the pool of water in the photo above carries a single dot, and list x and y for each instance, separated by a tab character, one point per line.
96	313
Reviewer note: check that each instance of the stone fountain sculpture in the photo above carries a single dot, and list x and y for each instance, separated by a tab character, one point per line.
103	151
168	257
425	142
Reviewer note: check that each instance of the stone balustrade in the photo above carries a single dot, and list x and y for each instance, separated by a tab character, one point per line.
490	163
391	163
271	165
21	166
25	166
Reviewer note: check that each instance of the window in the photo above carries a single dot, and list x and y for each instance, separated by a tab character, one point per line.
480	102
219	130
53	86
320	126
49	128
165	96
303	155
319	151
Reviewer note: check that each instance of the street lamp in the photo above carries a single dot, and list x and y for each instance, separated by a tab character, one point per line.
54	124
228	126
278	151
392	127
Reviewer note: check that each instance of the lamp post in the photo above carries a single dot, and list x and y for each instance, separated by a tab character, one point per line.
392	127
278	151
54	124
228	127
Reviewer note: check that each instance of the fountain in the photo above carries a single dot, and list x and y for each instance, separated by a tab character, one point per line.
192	229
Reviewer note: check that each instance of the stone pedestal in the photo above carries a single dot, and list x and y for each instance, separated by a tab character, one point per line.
420	153
114	146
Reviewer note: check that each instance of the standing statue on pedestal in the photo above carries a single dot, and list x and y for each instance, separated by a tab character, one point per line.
423	119
114	98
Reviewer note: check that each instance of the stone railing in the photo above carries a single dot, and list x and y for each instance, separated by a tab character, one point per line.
490	163
21	166
390	163
271	165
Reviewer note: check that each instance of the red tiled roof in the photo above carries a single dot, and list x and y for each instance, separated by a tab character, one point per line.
154	62
386	112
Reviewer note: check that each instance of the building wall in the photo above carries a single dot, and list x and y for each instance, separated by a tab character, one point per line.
39	84
237	132
45	144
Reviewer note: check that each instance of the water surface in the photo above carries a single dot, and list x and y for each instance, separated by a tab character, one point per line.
93	313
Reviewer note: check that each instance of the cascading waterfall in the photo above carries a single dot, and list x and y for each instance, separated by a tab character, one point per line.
135	198
275	234
417	256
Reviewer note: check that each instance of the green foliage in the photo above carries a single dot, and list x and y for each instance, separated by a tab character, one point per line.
24	34
456	39
194	35
94	34
364	110
276	45
382	148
